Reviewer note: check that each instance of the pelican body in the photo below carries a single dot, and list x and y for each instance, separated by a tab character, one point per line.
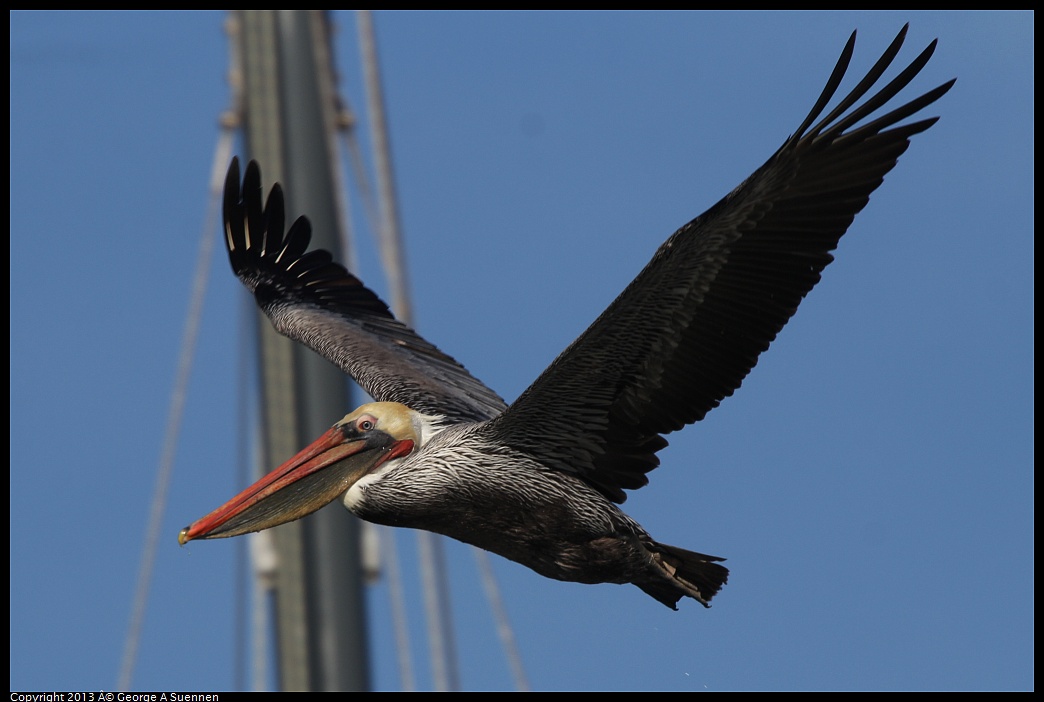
539	481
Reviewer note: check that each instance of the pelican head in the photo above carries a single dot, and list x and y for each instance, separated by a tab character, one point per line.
357	445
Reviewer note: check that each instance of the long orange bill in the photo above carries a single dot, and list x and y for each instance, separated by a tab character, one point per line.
312	479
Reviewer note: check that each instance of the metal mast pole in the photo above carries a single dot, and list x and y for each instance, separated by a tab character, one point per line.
289	122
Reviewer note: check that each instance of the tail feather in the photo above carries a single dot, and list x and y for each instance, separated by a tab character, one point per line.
684	574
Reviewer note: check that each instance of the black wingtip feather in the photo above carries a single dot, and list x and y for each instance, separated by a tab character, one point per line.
271	263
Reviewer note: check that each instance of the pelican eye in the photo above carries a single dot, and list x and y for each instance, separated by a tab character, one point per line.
366	423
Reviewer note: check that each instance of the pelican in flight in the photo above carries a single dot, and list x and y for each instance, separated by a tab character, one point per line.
539	481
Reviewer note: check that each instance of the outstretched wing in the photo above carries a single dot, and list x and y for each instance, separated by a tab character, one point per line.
688	329
314	300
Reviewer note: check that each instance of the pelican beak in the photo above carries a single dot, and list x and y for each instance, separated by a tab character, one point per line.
312	479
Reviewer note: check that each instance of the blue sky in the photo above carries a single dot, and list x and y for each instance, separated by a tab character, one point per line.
871	484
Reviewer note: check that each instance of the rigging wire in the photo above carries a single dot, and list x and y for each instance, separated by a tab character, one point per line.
390	244
397	597
176	411
441	642
378	541
504	628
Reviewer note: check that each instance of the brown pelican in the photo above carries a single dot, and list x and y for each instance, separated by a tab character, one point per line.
539	481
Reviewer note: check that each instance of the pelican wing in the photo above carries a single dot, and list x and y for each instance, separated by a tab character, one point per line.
688	329
314	300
